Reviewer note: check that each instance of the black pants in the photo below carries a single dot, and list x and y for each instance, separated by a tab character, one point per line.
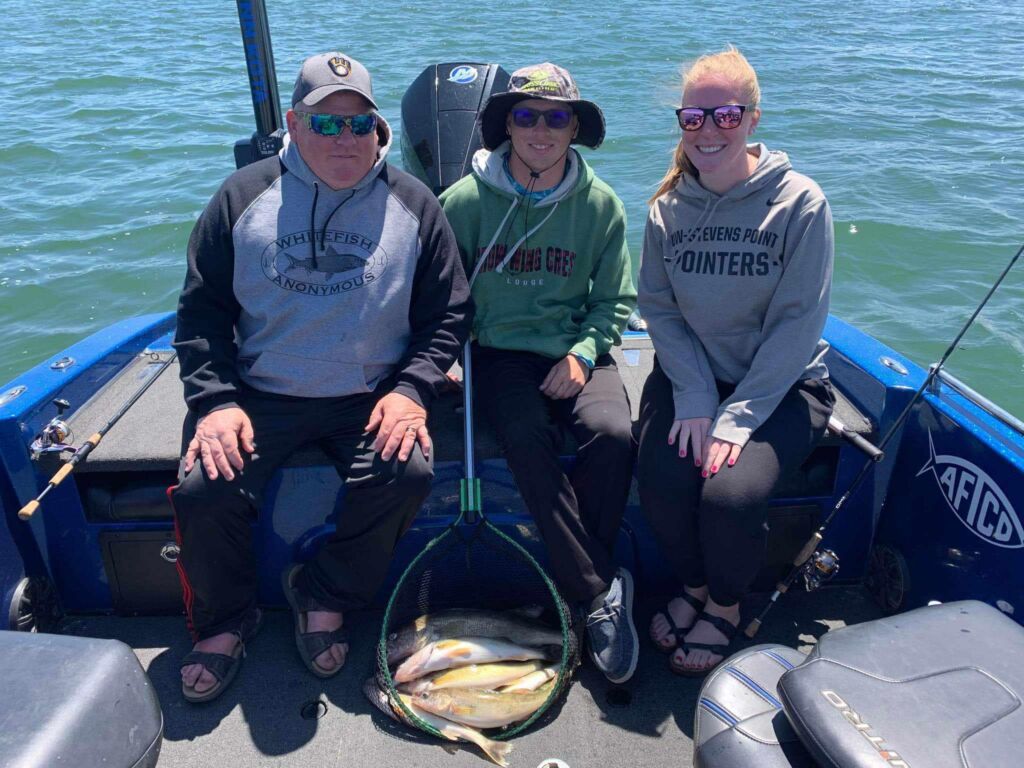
213	518
713	531
578	516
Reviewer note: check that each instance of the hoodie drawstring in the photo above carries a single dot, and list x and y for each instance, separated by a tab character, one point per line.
323	230
511	251
494	239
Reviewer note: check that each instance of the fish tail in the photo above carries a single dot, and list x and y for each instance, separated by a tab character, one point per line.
498	751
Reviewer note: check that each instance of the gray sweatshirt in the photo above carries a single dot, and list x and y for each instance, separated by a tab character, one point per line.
735	287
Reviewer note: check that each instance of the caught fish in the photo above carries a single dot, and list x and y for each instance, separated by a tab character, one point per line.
487	676
445	654
461	652
533	680
496	750
482	709
515	626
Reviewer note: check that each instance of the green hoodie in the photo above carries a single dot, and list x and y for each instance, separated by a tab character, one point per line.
556	278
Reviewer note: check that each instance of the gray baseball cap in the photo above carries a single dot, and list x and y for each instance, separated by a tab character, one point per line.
328	73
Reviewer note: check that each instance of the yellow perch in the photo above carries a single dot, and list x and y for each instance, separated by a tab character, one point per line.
446	654
533	680
482	709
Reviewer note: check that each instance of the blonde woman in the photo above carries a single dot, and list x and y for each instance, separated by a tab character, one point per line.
734	286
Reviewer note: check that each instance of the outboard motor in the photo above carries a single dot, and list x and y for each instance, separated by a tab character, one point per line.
439	112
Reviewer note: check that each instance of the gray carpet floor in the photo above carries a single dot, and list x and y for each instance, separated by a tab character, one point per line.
264	718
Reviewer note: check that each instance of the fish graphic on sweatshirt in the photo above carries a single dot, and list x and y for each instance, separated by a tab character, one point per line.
329	263
975	498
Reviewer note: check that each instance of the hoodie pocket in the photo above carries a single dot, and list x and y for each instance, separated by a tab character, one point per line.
299	376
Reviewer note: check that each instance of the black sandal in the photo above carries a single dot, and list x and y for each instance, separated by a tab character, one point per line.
719	649
310	644
222	666
678	632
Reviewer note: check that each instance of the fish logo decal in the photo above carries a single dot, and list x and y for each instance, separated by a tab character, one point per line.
463	74
975	499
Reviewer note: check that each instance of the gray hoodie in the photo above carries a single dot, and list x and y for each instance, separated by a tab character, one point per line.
298	289
735	287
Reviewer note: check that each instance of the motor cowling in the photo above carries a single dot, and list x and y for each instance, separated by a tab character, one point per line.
439	119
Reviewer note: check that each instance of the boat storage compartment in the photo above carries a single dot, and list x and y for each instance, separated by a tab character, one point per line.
141	570
75	701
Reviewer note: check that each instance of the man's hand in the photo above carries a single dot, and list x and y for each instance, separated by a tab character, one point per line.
400	423
692	431
218	437
565	379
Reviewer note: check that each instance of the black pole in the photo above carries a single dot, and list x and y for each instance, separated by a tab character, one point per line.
259	60
266	100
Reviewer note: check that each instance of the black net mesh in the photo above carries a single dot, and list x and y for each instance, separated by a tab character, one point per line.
476	567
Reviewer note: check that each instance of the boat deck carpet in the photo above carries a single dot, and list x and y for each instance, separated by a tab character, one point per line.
259	720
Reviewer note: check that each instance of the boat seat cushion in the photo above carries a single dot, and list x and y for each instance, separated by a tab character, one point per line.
148	437
75	701
939	686
739	721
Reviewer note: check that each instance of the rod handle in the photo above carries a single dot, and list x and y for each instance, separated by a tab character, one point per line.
752	627
28	510
859	441
808	550
95	439
61	473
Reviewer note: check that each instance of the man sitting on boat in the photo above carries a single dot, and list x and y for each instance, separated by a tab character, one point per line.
545	240
323	302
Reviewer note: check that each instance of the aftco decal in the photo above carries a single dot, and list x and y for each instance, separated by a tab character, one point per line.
975	499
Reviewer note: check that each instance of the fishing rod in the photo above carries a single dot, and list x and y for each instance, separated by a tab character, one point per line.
80	455
817	567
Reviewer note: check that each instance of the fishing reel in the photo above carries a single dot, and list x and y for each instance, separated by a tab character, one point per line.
56	436
821	567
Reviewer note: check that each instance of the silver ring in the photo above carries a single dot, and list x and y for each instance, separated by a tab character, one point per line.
411	429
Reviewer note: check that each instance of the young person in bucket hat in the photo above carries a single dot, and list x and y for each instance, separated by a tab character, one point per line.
544	241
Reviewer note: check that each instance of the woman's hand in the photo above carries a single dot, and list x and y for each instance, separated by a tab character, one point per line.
719	453
692	431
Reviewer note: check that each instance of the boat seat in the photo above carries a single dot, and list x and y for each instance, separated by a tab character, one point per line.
148	437
75	701
939	686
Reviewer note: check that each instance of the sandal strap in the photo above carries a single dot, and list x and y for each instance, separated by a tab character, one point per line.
316	643
723	626
675	629
217	664
719	649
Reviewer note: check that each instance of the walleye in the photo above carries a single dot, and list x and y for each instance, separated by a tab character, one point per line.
496	750
489	676
533	680
514	626
445	654
482	709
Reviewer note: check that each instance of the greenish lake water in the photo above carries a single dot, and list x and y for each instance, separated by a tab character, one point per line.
119	120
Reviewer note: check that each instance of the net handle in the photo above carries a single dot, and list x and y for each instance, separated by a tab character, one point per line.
471	501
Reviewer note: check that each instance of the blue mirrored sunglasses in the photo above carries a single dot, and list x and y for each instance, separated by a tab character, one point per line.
333	125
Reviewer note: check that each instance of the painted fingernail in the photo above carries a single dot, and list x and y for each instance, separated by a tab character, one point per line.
696	462
713	470
704	473
731	462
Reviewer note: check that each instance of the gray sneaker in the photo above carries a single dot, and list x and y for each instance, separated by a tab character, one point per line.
613	643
